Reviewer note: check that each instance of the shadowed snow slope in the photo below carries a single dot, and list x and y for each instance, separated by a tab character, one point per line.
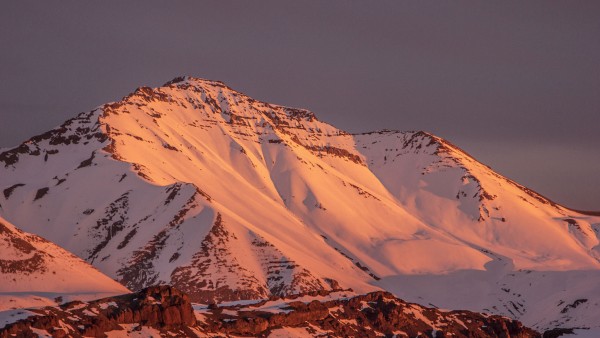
229	198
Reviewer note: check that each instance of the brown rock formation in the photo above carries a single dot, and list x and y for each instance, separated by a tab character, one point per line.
371	315
161	307
336	313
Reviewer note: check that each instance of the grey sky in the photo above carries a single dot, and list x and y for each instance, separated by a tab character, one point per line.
516	84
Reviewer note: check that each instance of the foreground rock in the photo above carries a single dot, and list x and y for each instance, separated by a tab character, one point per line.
374	314
162	307
166	311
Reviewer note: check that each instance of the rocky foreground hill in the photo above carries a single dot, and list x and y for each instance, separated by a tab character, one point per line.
166	311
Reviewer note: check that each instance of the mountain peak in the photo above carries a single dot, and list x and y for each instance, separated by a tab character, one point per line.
194	80
212	92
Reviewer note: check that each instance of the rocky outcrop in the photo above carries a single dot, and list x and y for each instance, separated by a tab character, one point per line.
217	273
371	315
161	307
335	313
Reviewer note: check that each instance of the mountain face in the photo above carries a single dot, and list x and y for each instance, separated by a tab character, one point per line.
35	272
228	198
163	311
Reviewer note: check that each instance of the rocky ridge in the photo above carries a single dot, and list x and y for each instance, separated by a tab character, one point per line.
229	198
314	314
161	307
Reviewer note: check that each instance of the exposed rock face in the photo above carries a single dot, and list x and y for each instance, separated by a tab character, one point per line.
371	315
216	273
160	307
17	242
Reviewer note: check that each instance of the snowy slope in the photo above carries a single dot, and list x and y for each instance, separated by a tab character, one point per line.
447	188
544	268
205	216
34	272
226	197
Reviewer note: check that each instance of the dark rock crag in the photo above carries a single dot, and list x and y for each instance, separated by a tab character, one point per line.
161	307
374	314
333	313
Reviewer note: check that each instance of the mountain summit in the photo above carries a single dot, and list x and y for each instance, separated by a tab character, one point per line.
228	198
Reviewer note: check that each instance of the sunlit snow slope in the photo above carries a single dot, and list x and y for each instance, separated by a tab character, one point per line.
226	197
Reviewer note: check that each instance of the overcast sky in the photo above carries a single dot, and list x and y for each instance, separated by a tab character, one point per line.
514	83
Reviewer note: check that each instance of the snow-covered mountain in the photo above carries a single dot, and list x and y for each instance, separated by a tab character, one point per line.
35	272
225	197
